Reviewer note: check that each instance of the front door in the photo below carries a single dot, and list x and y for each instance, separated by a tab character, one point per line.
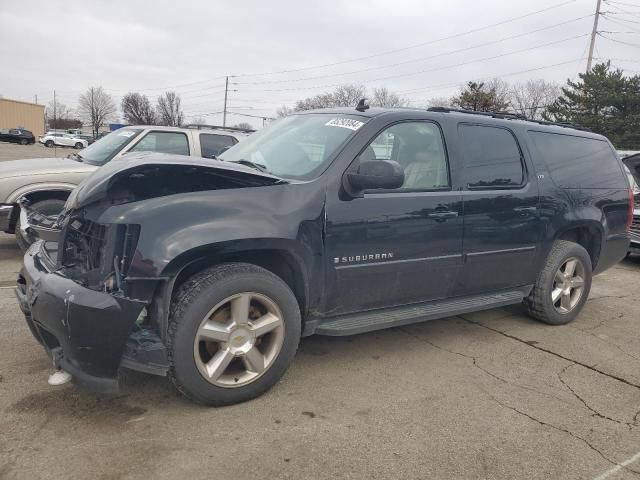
398	246
501	222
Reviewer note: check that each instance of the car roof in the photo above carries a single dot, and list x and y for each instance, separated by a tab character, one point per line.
230	132
498	118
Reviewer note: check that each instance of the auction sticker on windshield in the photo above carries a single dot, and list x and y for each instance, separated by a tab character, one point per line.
344	123
126	134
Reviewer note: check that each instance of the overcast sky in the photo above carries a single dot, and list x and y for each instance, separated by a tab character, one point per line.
420	49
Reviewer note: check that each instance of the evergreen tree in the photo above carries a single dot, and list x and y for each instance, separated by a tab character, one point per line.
605	101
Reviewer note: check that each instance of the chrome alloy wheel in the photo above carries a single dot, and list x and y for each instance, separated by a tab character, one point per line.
238	340
568	285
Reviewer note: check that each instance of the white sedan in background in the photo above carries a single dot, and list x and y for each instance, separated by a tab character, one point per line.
63	140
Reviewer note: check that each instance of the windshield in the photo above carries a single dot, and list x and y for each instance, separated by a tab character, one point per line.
108	146
299	146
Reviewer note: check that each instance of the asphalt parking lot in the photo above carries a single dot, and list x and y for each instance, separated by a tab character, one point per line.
13	151
491	395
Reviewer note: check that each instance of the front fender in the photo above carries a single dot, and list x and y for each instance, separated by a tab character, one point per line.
179	228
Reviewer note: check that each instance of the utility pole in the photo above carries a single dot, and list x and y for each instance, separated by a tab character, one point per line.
226	90
594	32
55	124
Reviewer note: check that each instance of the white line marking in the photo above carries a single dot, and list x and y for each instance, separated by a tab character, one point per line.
618	467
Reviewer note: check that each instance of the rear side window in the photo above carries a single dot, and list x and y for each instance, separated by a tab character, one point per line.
213	144
163	142
579	162
492	158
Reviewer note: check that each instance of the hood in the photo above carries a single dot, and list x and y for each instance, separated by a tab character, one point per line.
42	166
141	176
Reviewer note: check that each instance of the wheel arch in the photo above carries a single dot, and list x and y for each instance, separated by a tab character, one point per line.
588	234
37	194
287	264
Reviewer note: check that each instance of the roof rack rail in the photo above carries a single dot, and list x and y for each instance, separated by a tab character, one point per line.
509	116
506	115
198	126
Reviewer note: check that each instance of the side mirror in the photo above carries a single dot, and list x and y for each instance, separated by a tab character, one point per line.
377	174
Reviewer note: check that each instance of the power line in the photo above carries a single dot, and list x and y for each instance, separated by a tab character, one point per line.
315	87
430	42
430	57
448	85
634	45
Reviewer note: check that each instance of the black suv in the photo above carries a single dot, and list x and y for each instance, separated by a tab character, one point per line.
17	135
333	222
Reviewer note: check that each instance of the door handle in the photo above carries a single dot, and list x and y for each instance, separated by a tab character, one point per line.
525	210
442	215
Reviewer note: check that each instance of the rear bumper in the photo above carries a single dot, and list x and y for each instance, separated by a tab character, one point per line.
6	215
83	331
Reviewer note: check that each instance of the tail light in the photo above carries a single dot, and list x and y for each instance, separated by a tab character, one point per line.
630	212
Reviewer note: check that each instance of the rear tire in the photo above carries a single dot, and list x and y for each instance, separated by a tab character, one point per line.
562	286
206	303
51	206
49	143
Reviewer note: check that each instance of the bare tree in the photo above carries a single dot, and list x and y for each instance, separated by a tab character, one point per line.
169	111
58	115
532	97
137	109
382	97
348	95
283	111
244	126
96	107
439	102
198	120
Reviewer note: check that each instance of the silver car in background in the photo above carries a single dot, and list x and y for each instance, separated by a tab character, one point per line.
45	183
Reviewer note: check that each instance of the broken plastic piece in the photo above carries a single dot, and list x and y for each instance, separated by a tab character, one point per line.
59	377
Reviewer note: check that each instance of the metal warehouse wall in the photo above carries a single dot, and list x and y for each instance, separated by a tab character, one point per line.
15	114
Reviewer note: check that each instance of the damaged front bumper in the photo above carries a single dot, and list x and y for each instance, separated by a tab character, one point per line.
84	332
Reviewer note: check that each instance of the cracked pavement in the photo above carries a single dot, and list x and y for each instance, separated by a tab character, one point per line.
489	395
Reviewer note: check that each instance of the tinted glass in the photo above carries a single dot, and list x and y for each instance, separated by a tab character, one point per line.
418	148
108	146
163	142
492	158
213	144
578	162
298	146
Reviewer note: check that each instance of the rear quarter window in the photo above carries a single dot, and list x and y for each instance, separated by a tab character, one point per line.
579	162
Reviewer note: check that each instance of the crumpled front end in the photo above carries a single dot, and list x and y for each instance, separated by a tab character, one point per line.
84	331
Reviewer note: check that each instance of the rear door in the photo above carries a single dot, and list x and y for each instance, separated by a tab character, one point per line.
502	225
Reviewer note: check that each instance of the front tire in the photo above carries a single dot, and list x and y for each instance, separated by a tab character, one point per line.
50	206
79	145
233	331
49	143
563	285
23	141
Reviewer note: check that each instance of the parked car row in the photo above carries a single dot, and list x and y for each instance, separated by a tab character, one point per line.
332	222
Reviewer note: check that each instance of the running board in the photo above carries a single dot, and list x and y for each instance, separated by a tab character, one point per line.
361	322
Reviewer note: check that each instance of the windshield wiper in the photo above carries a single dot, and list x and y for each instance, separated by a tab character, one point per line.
249	163
75	156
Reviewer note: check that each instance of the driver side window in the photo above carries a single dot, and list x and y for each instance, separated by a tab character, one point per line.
418	148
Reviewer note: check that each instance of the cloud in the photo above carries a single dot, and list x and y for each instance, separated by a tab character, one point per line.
190	46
